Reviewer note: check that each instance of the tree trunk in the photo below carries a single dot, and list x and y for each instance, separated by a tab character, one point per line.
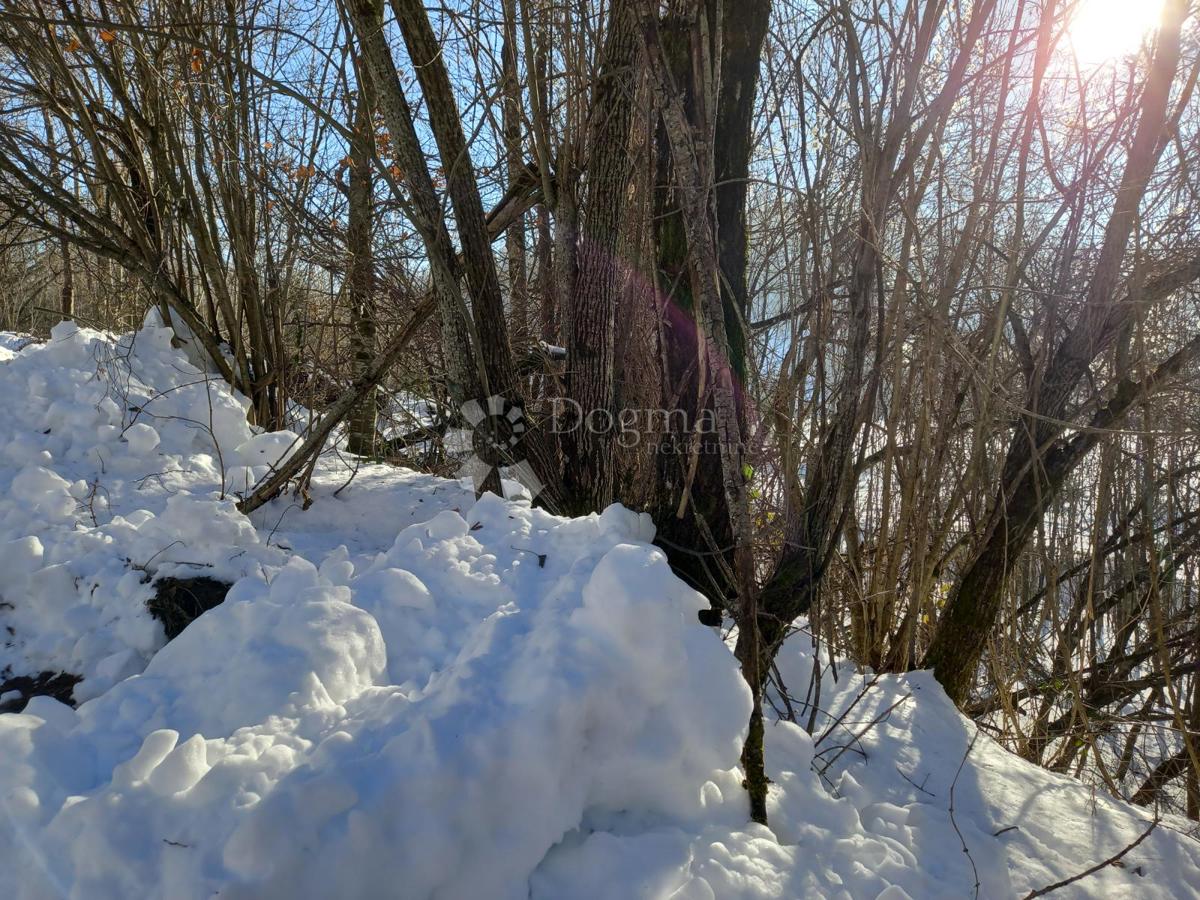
693	162
692	516
360	274
514	159
1029	482
588	479
423	209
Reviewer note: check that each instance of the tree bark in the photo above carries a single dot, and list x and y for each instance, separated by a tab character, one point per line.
360	276
588	479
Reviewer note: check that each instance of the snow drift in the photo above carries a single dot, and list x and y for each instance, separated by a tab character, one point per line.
408	693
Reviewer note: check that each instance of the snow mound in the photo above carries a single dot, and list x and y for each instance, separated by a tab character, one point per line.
113	471
408	693
439	719
862	809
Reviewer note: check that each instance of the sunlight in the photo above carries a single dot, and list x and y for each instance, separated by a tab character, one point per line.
1104	30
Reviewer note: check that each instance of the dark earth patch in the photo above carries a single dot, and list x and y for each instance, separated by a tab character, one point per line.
59	685
177	602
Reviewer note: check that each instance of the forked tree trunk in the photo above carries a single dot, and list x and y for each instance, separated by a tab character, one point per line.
1033	472
498	374
424	208
475	335
483	284
693	163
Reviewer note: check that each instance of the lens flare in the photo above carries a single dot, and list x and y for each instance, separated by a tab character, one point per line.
1105	30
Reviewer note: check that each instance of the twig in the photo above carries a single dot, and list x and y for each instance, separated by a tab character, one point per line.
953	785
1040	892
541	557
845	712
920	787
812	696
353	470
279	521
782	691
145	567
858	736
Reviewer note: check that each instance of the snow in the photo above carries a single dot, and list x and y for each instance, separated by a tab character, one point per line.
411	693
11	344
110	473
142	439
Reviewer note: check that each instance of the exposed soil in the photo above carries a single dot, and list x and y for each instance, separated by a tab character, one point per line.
177	602
59	685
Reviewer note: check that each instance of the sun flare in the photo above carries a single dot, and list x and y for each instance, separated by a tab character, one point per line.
1104	30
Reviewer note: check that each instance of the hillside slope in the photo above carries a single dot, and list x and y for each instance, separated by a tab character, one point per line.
408	693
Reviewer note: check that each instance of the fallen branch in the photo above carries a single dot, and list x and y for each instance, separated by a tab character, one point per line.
520	198
270	487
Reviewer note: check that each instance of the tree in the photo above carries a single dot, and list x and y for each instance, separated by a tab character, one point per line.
1038	460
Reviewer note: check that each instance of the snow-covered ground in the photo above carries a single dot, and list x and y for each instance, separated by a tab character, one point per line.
408	693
